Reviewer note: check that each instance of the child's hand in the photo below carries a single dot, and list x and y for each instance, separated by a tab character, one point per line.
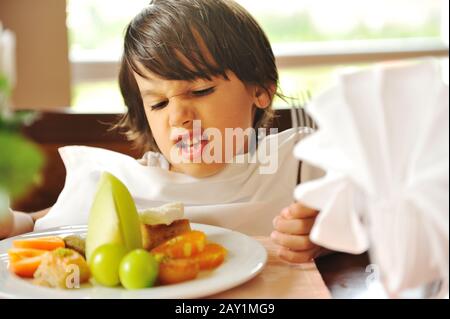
6	222
292	228
14	223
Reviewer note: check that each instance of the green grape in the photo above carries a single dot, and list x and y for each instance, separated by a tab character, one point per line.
139	269
105	262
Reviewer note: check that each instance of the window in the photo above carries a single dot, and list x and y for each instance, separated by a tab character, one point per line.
95	42
311	39
323	20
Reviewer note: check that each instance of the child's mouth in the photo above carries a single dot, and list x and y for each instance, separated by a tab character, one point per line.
192	148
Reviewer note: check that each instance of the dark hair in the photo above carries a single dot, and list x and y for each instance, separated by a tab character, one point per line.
168	32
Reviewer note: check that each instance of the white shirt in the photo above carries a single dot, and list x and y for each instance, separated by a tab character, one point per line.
240	197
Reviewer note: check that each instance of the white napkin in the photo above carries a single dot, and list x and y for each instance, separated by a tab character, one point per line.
240	197
383	141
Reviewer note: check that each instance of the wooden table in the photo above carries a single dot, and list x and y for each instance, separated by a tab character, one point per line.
344	274
333	276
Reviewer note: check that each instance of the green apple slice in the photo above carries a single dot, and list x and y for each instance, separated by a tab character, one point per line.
113	217
128	215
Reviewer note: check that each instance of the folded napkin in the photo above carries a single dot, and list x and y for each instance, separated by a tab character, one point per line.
383	141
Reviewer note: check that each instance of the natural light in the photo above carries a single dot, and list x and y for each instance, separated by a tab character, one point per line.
96	29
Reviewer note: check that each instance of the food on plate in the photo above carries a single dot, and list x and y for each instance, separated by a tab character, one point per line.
104	263
17	254
113	217
211	257
154	235
26	254
184	256
76	243
177	260
163	231
44	243
24	261
63	268
138	269
183	246
26	267
122	246
162	223
165	214
172	271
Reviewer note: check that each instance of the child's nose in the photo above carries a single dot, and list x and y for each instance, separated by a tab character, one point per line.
181	114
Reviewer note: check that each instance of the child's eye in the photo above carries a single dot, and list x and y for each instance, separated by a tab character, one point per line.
159	105
203	92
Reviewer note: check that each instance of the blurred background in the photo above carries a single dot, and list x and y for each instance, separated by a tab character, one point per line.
68	51
63	59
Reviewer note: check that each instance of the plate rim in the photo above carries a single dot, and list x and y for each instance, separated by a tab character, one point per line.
203	293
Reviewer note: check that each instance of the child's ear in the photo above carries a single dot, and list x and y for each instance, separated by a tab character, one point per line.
264	96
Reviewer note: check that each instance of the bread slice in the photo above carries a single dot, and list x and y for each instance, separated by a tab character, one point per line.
154	235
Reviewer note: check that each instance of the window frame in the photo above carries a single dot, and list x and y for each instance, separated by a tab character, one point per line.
300	55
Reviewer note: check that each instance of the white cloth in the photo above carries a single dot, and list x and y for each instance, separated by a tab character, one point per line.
384	143
239	197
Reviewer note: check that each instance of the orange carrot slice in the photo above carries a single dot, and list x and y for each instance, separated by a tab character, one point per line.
211	257
183	246
172	271
26	267
44	243
17	254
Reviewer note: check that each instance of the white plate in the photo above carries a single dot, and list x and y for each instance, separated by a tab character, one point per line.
246	258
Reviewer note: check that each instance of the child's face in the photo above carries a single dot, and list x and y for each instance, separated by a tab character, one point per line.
171	105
